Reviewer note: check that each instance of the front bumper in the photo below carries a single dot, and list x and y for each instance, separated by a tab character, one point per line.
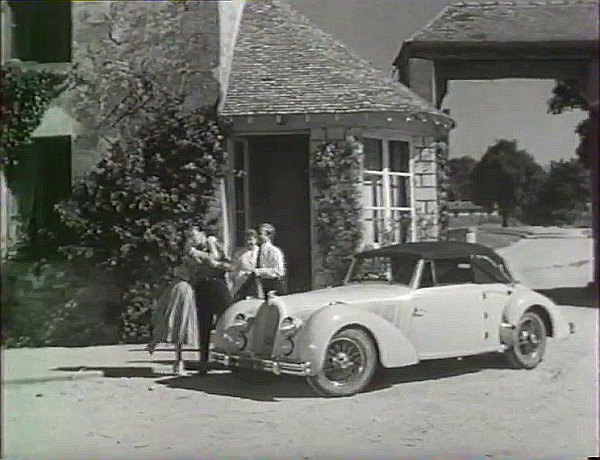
259	364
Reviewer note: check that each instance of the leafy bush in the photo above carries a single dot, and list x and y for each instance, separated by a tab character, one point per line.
48	304
130	212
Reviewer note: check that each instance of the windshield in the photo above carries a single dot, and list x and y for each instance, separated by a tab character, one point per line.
398	270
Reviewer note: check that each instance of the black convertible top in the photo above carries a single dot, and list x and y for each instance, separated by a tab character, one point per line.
434	250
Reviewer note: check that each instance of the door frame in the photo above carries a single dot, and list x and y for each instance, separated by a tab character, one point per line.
244	137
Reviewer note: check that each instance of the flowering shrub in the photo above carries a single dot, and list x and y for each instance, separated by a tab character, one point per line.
336	176
130	212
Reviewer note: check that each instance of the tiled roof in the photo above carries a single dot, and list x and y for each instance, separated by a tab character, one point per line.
284	65
514	21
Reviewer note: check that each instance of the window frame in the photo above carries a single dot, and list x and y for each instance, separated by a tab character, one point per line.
386	176
21	19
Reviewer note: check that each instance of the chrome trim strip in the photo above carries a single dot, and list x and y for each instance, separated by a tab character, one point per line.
266	365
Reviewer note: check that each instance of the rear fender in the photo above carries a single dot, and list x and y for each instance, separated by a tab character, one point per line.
395	350
524	299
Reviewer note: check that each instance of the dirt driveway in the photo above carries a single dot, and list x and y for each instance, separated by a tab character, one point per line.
474	408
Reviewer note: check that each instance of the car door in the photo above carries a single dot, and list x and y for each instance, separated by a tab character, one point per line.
495	295
446	311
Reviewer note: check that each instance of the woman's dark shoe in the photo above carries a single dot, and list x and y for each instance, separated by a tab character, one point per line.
202	368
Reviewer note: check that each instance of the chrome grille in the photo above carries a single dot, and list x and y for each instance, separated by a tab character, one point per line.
264	330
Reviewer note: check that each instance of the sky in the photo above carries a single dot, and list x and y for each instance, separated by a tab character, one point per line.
484	111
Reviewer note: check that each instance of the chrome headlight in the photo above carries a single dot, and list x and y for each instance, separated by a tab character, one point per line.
235	338
241	322
289	326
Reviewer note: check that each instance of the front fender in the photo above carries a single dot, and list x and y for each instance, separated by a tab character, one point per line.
247	307
395	349
524	298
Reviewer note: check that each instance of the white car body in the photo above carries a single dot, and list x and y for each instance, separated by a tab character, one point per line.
407	322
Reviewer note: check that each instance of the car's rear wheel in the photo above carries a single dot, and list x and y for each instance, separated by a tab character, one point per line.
530	342
349	365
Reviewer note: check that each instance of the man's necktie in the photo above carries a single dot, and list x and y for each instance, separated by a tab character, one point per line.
259	288
258	257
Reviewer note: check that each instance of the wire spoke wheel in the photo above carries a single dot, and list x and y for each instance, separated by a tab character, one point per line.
348	366
345	360
530	342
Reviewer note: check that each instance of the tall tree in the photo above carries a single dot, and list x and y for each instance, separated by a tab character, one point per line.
459	178
507	177
567	95
565	193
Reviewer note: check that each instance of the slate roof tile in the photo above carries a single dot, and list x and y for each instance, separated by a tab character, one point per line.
513	21
284	65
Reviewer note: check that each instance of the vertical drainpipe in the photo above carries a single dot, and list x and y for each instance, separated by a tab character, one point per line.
593	98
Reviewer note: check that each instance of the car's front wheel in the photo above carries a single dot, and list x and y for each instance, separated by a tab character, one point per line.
349	365
530	342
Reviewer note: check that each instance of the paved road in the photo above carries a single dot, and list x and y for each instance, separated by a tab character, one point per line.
552	262
444	409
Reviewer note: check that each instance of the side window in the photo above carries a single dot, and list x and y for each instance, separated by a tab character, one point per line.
486	271
427	276
453	271
373	269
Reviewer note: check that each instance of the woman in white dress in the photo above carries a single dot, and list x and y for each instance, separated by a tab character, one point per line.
175	318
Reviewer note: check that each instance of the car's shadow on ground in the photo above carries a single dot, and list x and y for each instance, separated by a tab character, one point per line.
268	387
437	369
261	387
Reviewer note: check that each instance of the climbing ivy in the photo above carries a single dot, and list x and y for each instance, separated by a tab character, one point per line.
336	175
26	95
441	155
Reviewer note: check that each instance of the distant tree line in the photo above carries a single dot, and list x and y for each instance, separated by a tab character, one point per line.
509	179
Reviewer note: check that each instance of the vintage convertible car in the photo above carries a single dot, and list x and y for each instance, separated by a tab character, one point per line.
398	305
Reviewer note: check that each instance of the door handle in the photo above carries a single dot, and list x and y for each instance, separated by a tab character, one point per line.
418	312
485	294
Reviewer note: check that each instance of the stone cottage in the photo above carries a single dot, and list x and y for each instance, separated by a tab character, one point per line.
284	87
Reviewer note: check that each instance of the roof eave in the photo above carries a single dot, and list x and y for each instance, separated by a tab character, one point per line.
439	49
416	111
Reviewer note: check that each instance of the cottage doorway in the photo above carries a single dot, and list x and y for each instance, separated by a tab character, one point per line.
278	192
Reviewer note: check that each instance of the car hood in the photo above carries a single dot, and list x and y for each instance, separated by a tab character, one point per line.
380	298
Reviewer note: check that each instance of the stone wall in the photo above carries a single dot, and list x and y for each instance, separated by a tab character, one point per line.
199	37
425	190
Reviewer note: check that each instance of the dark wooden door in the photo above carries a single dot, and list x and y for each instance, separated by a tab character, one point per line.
279	194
